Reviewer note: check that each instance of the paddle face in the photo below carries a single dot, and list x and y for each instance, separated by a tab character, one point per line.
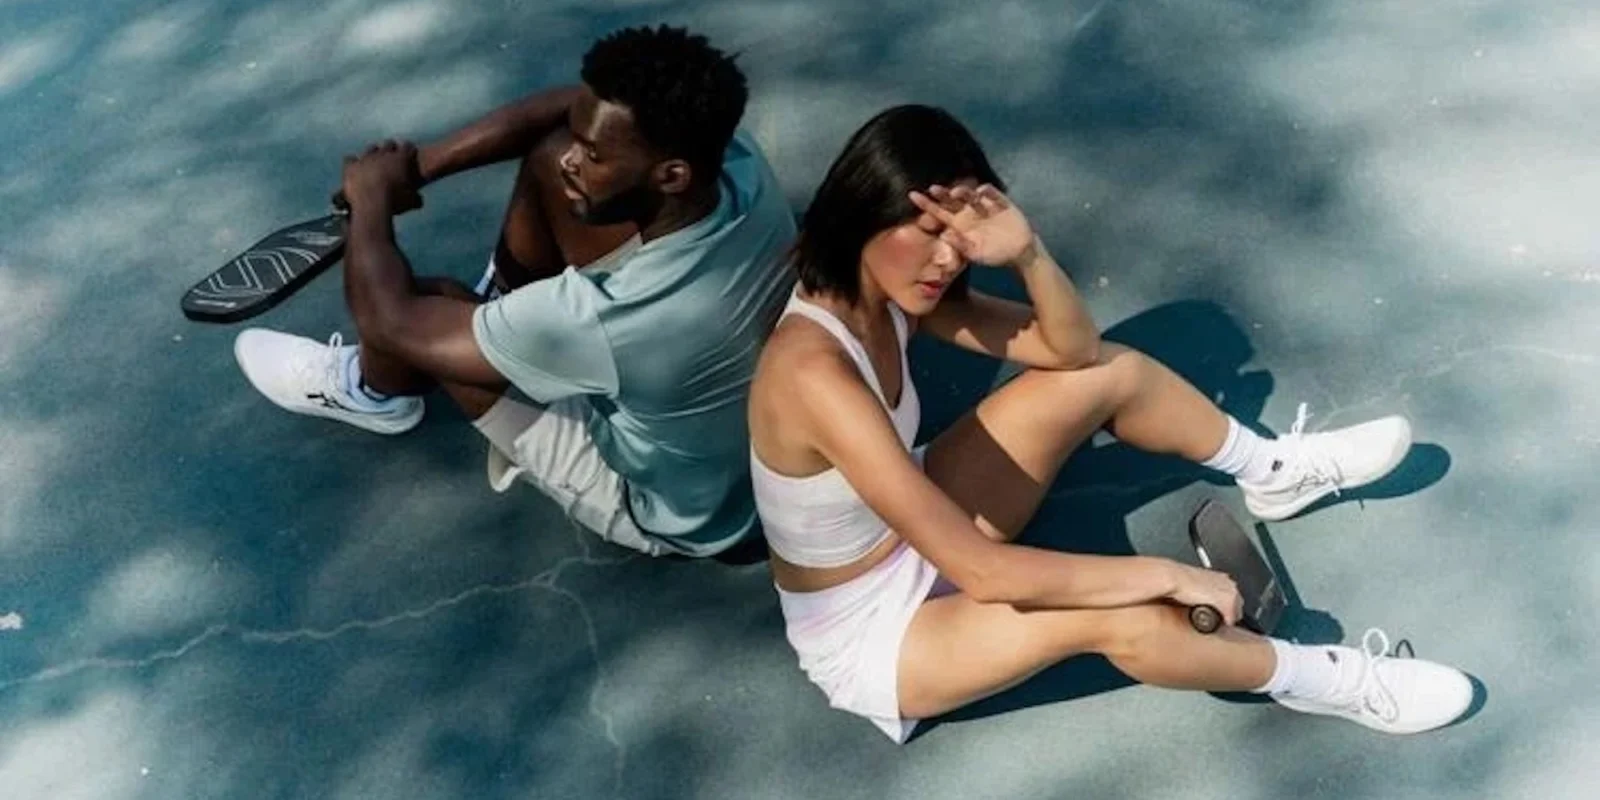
1223	544
267	273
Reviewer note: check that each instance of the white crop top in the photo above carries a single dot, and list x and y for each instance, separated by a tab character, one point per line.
819	520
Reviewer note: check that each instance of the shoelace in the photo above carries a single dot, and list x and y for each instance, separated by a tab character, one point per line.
330	384
1313	465
1372	694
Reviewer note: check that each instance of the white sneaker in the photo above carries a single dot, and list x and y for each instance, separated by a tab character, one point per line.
307	377
1316	465
1393	695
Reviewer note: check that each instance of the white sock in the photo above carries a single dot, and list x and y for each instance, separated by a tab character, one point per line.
1245	455
355	390
486	287
1305	671
505	421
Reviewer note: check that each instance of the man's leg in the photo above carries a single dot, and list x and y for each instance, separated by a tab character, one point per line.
378	391
538	239
540	235
327	379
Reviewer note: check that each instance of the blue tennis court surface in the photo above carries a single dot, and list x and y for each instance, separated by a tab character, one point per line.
1371	208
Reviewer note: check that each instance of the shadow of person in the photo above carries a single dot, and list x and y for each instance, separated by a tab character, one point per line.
1423	466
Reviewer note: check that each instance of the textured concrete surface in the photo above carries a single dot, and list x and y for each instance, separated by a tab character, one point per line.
1374	208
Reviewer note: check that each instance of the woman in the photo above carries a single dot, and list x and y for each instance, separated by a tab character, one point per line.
900	587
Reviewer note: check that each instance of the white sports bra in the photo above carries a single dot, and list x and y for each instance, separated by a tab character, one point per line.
819	520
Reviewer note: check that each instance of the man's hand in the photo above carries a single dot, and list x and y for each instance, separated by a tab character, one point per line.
384	180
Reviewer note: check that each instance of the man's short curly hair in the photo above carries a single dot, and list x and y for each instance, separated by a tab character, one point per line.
686	96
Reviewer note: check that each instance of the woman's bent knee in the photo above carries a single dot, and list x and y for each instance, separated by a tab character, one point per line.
1129	369
1114	378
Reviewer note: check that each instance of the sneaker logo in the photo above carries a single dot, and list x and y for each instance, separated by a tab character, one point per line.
326	401
1277	464
1332	656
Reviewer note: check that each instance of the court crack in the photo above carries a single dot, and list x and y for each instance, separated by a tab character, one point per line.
545	580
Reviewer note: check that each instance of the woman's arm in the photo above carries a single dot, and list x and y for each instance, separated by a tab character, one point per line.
1055	332
848	426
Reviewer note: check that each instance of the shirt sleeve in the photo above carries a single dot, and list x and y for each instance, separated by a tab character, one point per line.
547	339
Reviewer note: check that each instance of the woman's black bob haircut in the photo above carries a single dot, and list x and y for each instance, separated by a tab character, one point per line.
904	148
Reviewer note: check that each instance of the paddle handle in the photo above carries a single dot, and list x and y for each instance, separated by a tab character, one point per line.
341	204
1205	619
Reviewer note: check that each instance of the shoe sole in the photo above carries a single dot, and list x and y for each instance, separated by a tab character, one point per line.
374	426
1372	724
1289	511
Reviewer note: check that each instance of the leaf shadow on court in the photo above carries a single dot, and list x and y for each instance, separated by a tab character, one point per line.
395	629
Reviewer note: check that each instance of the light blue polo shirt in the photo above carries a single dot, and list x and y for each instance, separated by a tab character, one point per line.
663	345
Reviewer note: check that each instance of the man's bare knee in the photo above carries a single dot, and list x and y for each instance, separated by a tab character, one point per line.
543	163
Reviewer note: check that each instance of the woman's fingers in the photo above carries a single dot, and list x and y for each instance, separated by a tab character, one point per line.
931	207
992	199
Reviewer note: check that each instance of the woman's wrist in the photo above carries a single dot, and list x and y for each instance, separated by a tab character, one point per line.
1031	256
1166	576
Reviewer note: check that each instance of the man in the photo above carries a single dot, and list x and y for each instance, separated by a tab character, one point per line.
638	362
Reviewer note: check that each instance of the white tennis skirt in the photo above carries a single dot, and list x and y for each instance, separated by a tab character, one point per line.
848	637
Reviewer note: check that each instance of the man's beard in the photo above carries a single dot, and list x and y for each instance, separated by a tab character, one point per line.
635	204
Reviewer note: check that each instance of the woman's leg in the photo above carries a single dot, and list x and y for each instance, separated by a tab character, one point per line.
998	461
958	651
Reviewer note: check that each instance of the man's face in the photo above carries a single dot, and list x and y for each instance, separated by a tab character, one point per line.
606	169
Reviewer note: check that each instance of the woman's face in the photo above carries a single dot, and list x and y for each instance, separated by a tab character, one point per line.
911	264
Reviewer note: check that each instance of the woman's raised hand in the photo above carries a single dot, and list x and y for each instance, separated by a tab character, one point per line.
982	224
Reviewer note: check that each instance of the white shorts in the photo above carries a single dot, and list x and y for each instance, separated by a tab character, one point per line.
550	447
848	636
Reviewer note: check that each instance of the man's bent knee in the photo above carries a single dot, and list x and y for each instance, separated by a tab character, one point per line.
543	163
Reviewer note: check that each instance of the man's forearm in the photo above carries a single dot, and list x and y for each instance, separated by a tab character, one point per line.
377	277
506	133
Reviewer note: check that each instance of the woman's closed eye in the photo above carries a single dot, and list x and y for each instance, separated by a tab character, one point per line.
929	225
